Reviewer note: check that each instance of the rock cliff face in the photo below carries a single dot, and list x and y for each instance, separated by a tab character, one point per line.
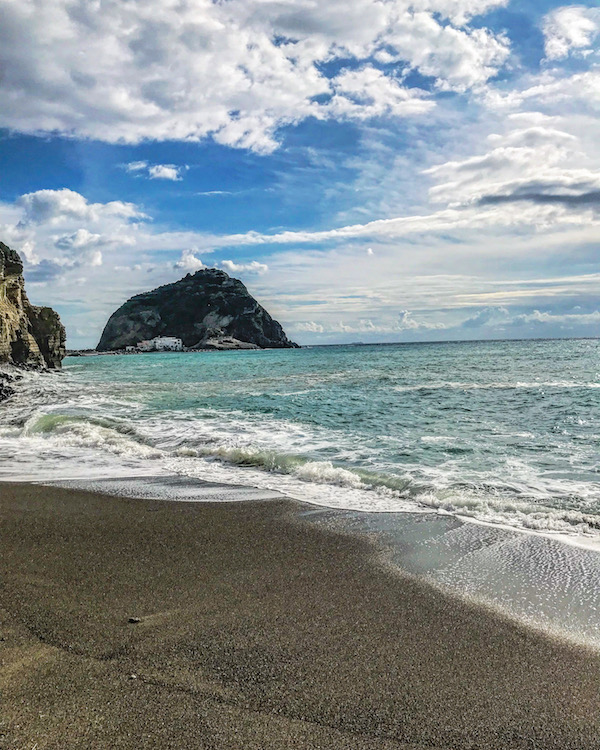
205	310
29	336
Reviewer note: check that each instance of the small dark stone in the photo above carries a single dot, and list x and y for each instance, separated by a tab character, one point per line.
5	390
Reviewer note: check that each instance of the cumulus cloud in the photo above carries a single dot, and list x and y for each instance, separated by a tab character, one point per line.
27	250
235	71
363	325
487	316
55	206
189	262
369	93
81	248
406	322
457	58
156	171
80	239
59	231
165	172
253	267
571	28
309	327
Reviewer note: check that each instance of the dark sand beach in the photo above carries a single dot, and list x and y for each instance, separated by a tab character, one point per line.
257	630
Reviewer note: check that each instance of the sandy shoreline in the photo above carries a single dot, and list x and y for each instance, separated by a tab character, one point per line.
257	631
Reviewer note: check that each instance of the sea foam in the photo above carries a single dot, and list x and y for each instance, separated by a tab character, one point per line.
369	429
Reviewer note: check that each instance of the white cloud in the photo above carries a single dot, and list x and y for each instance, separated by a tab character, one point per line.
456	219
458	11
189	262
570	28
95	258
389	325
538	163
54	206
552	91
235	71
172	172
309	327
563	320
338	288
457	58
407	323
136	166
363	325
28	252
252	267
487	316
368	93
80	249
60	231
165	172
81	239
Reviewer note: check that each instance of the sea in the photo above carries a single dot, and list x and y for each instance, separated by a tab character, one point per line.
482	446
503	432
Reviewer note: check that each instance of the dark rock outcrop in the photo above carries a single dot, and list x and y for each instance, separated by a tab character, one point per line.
29	336
205	310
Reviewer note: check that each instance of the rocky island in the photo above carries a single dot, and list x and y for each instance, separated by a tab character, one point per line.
206	310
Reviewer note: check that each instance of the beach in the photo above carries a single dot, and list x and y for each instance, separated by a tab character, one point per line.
300	375
256	630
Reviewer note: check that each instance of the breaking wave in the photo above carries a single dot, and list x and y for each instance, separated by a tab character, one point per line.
321	435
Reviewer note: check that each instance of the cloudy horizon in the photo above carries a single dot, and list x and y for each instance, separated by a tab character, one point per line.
373	170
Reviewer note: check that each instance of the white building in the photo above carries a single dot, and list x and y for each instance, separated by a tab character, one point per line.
161	344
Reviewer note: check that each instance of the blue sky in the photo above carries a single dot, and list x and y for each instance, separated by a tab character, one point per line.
375	170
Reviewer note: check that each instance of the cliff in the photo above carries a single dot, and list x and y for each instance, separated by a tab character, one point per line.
29	336
205	310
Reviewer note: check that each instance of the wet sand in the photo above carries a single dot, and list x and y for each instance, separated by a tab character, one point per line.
257	630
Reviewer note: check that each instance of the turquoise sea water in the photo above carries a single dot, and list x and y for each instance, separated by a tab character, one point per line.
503	432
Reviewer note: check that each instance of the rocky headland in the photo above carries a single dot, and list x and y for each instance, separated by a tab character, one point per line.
30	337
206	310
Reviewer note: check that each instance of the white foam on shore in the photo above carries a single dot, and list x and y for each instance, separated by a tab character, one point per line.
91	435
511	545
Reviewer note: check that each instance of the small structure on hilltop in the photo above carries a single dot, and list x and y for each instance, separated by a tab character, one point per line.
161	344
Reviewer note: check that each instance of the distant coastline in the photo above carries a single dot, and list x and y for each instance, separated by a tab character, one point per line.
313	345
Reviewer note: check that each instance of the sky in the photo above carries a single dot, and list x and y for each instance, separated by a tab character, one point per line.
373	170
